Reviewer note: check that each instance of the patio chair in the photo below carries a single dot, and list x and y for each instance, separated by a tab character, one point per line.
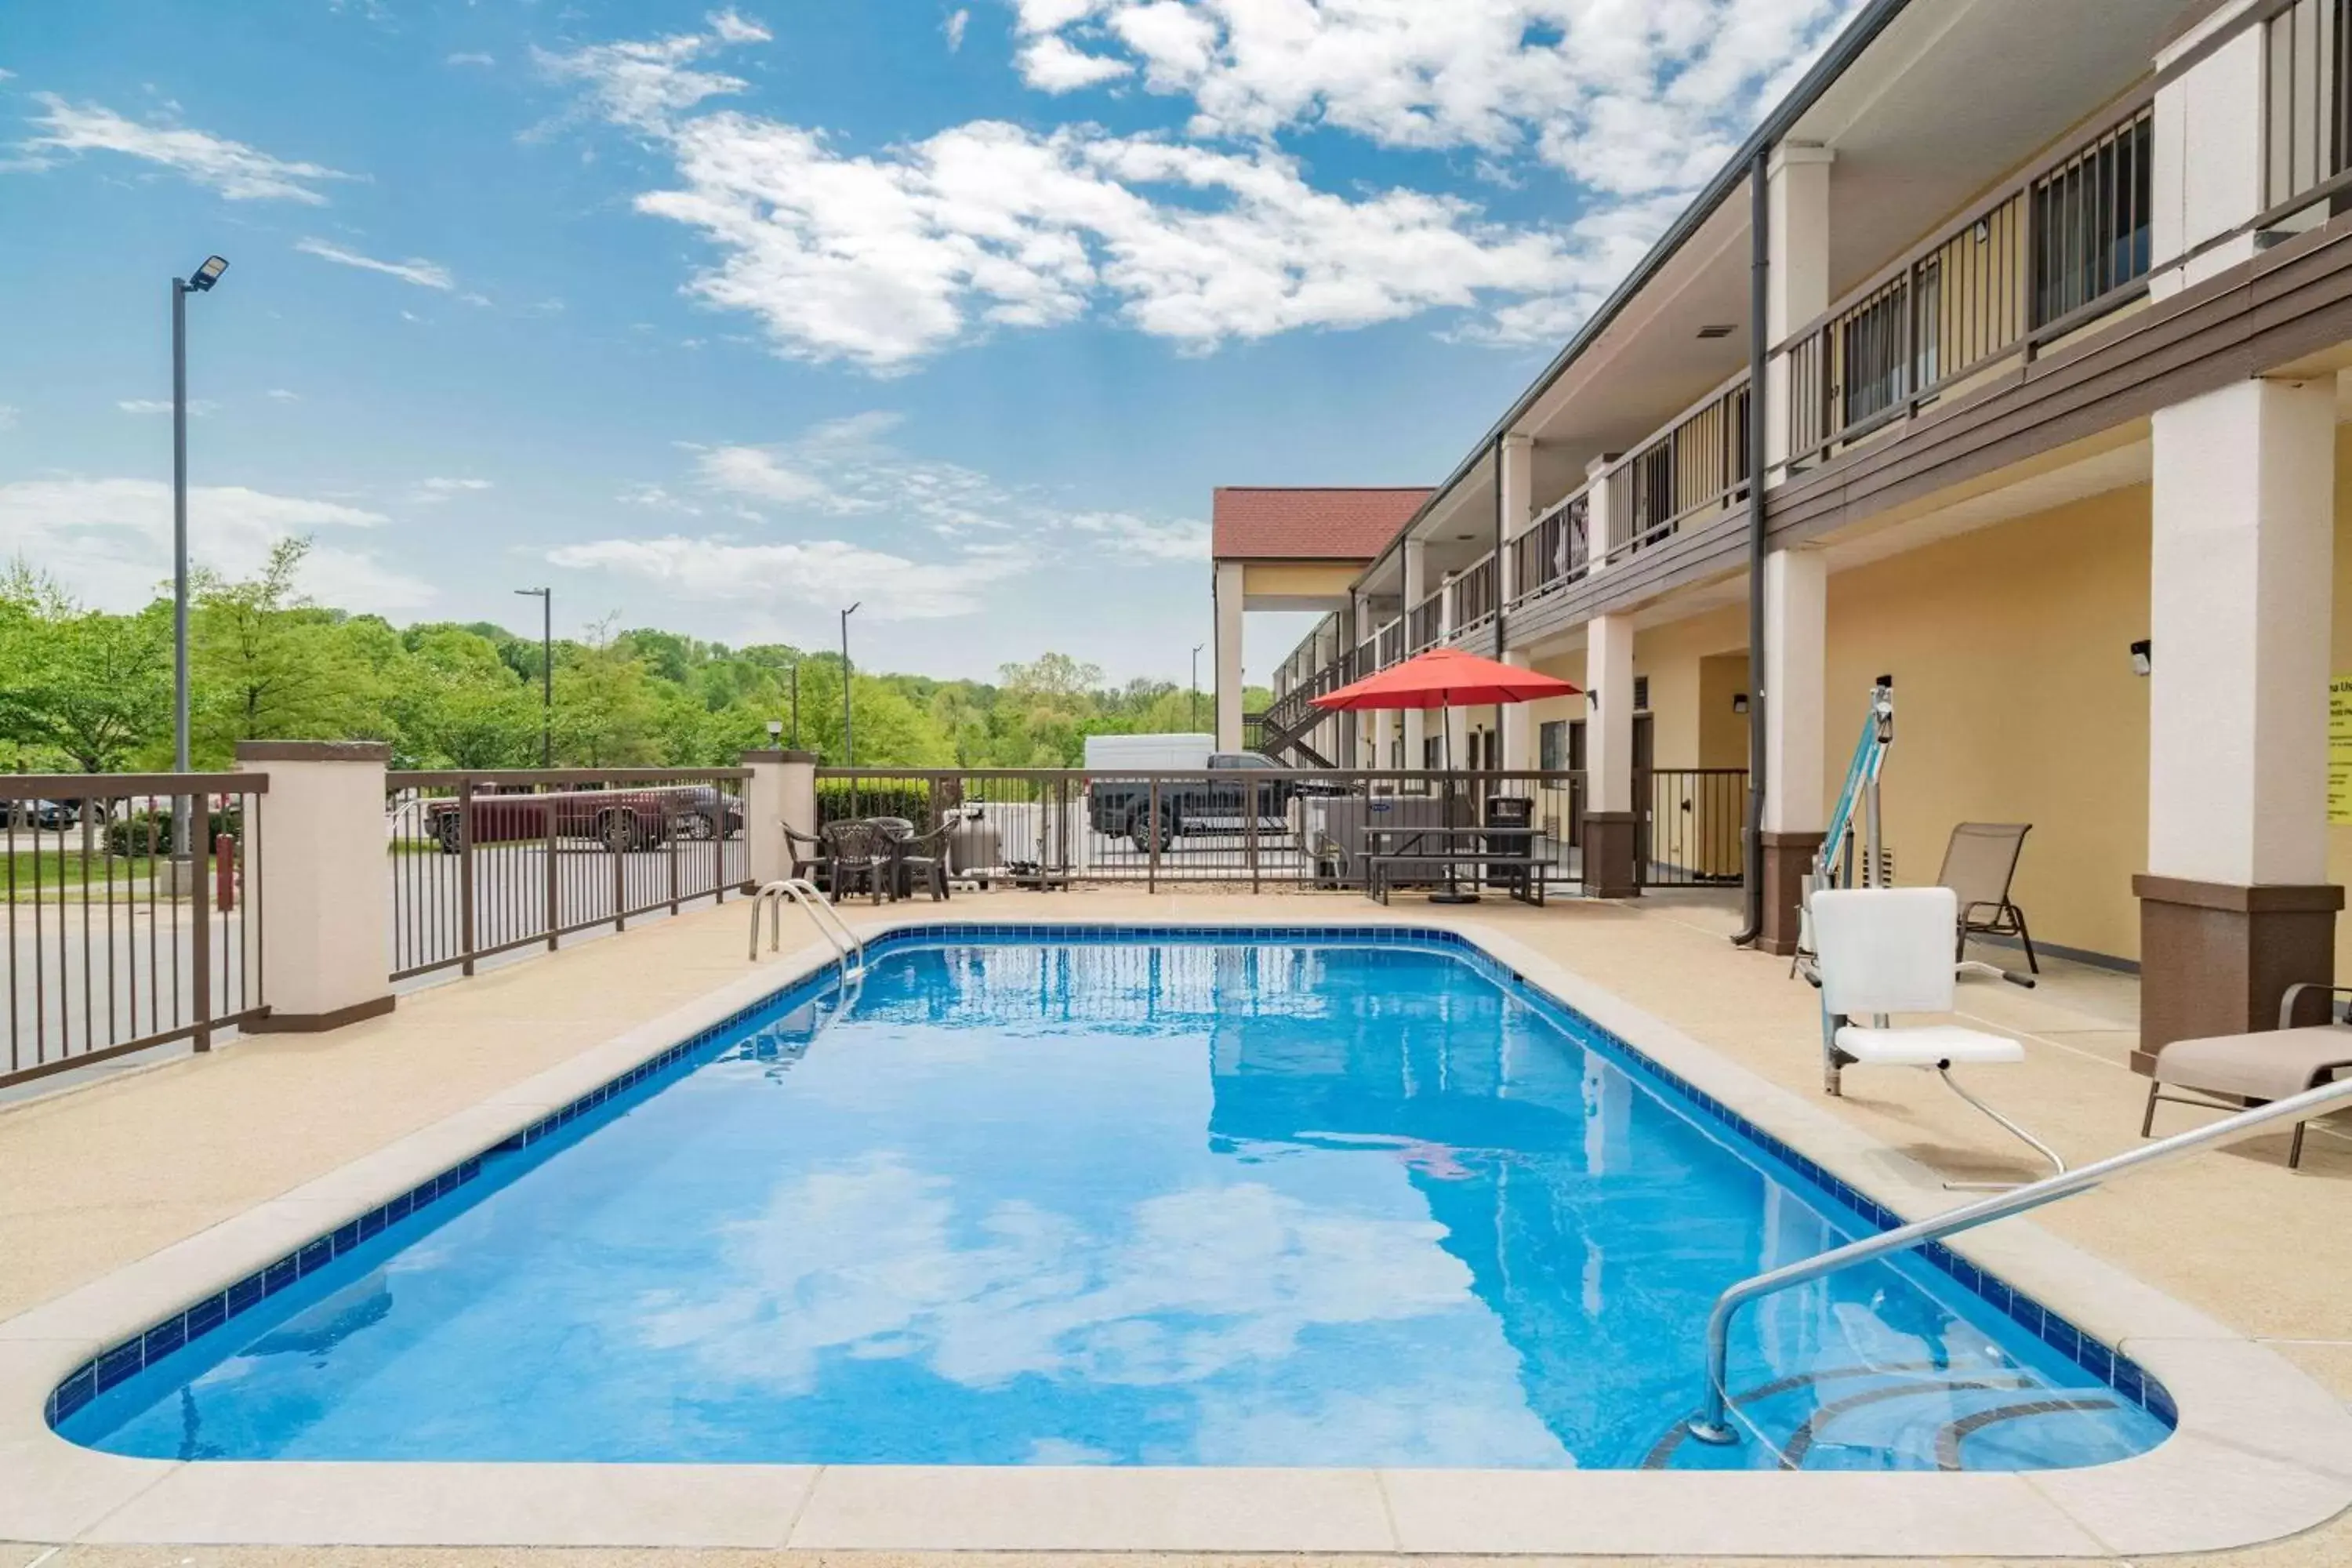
1883	951
811	854
2235	1072
861	858
923	856
1980	863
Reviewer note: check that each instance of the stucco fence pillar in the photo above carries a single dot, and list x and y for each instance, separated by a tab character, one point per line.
782	790
322	883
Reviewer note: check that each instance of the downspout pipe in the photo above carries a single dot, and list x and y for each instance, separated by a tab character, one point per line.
1759	272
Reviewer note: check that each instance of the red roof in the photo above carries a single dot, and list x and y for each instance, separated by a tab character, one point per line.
1316	524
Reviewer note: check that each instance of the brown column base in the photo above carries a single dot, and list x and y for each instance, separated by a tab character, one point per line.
2215	958
1787	857
1608	842
277	1023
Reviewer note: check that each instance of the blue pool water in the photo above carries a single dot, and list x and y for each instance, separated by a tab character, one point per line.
1174	1201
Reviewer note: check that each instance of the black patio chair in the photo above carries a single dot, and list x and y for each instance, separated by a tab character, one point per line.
920	856
811	853
861	858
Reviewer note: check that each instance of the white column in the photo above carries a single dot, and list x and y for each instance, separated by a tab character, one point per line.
1608	668
1797	277
1794	671
781	789
1518	722
1229	655
2240	589
1519	510
2206	171
1609	720
321	882
1416	585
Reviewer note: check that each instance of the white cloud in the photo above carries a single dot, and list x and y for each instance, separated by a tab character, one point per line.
756	473
197	408
235	170
8	412
470	58
283	396
1187	540
416	269
656	498
885	257
814	571
110	540
1050	65
435	490
958	20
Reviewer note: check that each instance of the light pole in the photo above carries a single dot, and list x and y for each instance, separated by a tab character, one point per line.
849	735
198	282
1196	683
546	598
796	704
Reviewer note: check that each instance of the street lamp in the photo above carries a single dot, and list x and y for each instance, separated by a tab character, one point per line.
198	282
1196	683
848	736
546	598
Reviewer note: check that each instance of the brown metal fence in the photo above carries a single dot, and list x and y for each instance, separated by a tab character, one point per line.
489	862
1259	829
1693	827
130	913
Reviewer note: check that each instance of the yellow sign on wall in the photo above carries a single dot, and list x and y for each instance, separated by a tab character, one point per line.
2339	749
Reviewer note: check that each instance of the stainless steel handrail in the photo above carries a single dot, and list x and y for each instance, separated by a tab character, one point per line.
803	892
1713	1423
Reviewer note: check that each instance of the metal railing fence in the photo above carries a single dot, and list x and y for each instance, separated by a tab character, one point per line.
1261	829
487	862
1555	550
120	936
1693	827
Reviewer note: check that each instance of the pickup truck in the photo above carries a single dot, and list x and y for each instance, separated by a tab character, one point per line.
620	819
1220	800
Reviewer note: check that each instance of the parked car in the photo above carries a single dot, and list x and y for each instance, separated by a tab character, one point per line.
1222	800
620	819
51	814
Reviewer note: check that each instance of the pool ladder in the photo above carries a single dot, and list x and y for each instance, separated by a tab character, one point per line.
845	942
1713	1423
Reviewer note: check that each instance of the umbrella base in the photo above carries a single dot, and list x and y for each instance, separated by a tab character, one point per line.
1453	897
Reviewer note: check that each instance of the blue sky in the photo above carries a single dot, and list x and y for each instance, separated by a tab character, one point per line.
720	320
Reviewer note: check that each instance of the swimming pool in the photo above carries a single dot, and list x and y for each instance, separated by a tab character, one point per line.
1040	1196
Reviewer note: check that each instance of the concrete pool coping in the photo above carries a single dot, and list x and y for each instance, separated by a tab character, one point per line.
2261	1451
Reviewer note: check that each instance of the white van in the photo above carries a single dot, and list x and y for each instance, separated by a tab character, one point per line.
1149	753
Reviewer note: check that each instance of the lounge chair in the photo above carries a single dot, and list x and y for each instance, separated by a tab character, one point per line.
2232	1072
1883	951
1980	863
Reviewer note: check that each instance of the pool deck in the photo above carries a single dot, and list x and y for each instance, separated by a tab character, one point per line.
172	1167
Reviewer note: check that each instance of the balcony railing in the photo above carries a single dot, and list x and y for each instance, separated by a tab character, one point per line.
2064	246
1391	641
1425	624
1695	467
1556	552
2309	133
1474	595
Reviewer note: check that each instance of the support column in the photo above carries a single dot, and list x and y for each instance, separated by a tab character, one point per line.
781	790
2236	904
1519	510
2206	158
1797	278
1228	587
320	883
1417	587
1611	828
1611	825
1793	672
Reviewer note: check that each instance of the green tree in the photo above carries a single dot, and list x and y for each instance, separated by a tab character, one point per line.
457	704
88	688
269	665
607	705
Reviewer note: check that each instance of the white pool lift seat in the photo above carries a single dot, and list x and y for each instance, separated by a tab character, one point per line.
1883	951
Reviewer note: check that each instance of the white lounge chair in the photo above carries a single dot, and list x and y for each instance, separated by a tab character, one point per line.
1883	951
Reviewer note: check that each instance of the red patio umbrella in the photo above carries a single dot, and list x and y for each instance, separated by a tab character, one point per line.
1445	677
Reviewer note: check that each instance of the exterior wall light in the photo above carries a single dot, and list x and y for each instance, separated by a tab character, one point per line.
2141	663
1739	702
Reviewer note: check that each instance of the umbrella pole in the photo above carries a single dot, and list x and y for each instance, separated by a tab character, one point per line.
1453	893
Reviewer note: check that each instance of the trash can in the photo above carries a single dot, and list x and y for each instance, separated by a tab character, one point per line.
1512	810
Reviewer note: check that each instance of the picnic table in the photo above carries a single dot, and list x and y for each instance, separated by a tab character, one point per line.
1484	850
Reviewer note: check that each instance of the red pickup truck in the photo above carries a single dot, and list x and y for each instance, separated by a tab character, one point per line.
620	819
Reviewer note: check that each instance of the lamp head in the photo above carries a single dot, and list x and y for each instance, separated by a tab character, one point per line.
776	728
206	276
2142	660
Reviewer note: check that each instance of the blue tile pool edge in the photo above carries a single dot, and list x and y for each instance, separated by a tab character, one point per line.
126	1358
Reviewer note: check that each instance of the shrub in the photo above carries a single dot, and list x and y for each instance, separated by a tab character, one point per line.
149	832
842	800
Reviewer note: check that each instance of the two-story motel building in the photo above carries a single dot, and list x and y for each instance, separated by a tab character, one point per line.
2048	303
